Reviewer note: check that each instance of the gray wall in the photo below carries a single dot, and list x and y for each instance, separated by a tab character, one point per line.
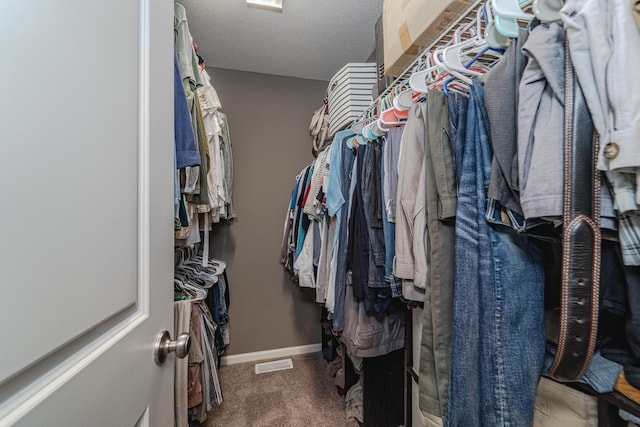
268	118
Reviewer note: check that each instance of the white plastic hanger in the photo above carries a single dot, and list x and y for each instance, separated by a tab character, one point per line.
378	129
547	10
510	9
449	59
452	56
357	127
470	49
198	293
439	60
403	100
418	79
388	115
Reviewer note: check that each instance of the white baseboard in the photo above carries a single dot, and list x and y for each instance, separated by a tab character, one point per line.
269	354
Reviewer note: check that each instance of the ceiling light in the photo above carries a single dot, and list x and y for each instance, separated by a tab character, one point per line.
266	4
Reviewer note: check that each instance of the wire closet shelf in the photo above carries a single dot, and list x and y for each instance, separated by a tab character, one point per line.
443	40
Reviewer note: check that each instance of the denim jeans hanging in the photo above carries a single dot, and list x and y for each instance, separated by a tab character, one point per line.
498	338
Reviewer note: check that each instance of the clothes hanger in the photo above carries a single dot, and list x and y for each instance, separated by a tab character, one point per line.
199	256
179	292
469	64
452	57
454	67
389	118
388	115
418	79
215	265
350	141
506	15
378	130
362	140
476	45
367	134
193	293
208	275
511	9
547	10
353	142
357	127
200	293
439	60
493	37
404	100
401	112
218	263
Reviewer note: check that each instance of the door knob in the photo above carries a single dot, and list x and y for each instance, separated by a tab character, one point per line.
163	346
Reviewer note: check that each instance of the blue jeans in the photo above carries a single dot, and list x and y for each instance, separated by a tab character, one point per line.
601	375
458	105
389	229
218	308
498	340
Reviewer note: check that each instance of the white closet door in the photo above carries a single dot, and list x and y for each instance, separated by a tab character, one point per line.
86	181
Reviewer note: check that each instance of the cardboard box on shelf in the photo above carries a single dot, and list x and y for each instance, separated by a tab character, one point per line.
410	26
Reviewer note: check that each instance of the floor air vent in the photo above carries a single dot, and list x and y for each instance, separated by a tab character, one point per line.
276	365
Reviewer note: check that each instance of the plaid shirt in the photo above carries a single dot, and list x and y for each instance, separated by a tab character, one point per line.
629	235
623	187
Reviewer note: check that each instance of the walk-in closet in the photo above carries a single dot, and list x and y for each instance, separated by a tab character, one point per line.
364	213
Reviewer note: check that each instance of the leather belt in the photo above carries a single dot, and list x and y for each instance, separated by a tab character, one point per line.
580	239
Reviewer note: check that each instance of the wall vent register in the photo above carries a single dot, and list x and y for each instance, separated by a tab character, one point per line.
276	365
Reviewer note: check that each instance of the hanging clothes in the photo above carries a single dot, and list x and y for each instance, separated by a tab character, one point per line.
201	310
501	87
461	210
498	304
205	174
441	204
389	177
186	151
541	123
410	262
337	195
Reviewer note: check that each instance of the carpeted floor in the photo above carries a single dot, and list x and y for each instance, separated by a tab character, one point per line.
300	397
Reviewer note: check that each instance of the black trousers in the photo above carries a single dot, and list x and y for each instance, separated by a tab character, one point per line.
383	394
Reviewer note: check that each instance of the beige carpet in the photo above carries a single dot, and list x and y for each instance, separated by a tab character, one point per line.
300	397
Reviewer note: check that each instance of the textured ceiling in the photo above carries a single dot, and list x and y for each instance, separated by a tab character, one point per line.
310	39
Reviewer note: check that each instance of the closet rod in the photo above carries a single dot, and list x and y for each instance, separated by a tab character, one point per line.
469	15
